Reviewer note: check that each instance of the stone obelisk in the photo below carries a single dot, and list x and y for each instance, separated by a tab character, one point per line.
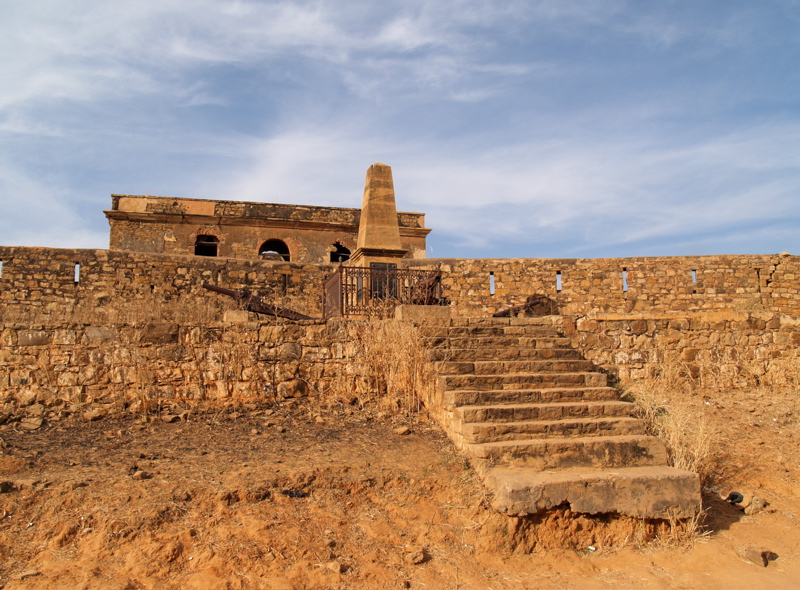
378	229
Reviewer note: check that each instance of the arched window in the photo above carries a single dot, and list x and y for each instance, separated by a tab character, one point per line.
340	253
274	250
205	245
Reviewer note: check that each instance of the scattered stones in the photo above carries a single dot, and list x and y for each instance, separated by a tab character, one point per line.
94	414
35	410
6	487
293	388
402	431
756	505
415	554
335	567
140	475
294	493
31	423
759	555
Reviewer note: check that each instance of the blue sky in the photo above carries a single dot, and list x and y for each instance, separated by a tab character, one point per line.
522	128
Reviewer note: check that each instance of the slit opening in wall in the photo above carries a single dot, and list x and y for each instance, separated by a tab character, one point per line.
284	284
624	280
1	269
491	284
558	281
694	281
77	273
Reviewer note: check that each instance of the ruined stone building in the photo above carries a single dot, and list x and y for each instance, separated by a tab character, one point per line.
235	229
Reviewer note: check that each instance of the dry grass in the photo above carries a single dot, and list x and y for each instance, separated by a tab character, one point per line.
678	417
672	401
389	365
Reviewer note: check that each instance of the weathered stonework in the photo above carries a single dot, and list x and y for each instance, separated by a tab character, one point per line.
166	225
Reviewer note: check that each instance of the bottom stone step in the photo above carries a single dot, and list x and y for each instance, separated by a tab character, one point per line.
596	452
642	492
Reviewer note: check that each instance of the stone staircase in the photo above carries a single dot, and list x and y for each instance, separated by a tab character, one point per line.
542	426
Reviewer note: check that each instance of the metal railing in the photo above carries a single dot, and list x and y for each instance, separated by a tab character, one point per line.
352	291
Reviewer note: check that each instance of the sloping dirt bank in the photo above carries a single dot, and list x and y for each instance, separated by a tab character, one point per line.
296	497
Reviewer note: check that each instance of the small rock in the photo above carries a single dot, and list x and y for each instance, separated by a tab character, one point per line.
27	574
94	414
319	420
31	423
335	567
747	499
35	410
402	431
140	475
756	505
759	555
415	554
170	418
255	431
281	429
6	487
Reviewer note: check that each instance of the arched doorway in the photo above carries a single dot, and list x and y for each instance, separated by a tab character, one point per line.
205	245
274	250
340	253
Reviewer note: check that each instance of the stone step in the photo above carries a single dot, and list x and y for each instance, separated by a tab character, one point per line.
641	492
530	396
500	354
488	367
554	321
494	342
525	380
559	453
483	432
488	331
547	411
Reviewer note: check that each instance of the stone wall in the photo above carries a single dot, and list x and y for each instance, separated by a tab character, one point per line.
39	282
718	348
228	360
586	287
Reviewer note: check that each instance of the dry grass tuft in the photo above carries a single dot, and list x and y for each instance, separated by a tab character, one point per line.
389	365
672	411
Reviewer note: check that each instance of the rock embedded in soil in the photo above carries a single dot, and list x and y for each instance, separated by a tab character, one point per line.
759	555
402	431
94	414
31	423
755	506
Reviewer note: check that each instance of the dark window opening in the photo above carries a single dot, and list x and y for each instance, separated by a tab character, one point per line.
205	245
340	254
274	250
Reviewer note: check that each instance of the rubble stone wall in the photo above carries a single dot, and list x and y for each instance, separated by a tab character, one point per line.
586	287
722	348
37	282
230	360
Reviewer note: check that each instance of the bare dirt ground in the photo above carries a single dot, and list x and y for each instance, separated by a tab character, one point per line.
297	497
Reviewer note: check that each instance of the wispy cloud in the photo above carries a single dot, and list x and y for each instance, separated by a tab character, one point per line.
520	126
